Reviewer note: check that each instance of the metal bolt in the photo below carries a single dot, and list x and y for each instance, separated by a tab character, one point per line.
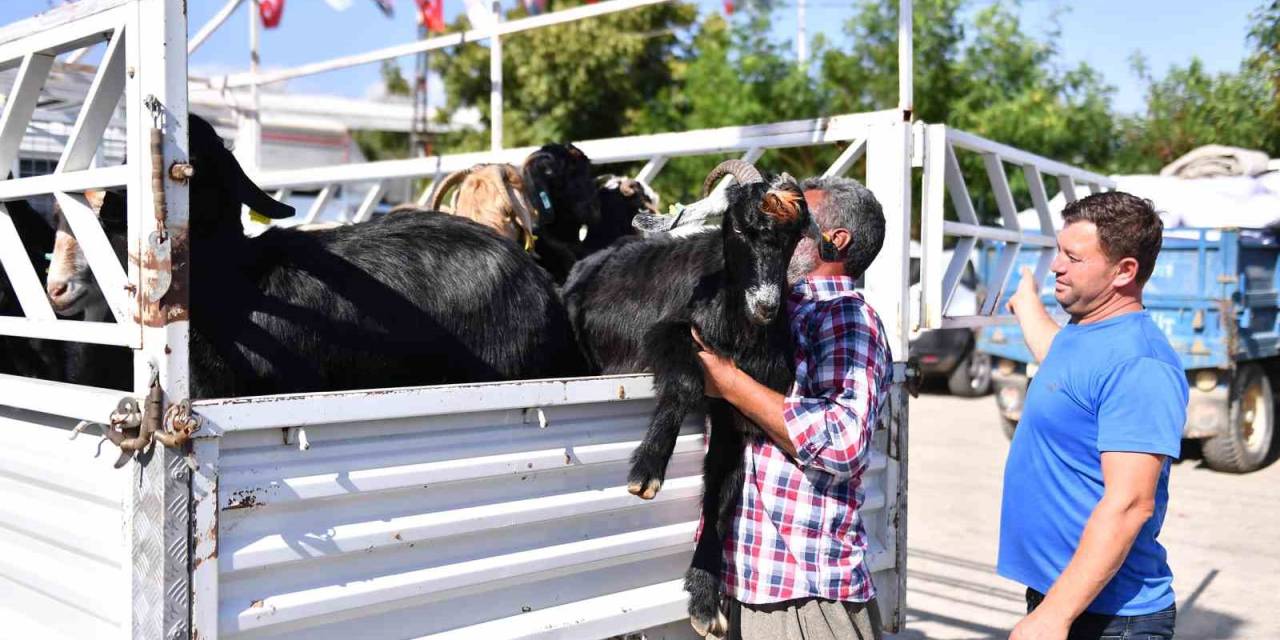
179	474
181	172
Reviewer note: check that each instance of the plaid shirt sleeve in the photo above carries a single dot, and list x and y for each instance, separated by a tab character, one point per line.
831	408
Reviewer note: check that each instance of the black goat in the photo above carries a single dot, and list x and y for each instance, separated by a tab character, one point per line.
634	306
411	298
558	183
621	199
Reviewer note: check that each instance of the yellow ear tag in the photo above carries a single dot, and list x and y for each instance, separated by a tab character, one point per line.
258	217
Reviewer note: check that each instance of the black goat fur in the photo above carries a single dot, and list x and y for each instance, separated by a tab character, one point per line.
562	173
634	306
411	298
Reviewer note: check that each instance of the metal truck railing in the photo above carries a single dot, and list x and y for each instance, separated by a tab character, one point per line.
943	179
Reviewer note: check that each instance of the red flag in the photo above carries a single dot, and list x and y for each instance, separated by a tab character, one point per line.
431	15
271	12
728	7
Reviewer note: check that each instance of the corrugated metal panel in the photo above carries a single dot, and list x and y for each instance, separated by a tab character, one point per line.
63	570
475	521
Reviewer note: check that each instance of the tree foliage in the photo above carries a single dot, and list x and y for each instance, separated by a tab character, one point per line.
977	67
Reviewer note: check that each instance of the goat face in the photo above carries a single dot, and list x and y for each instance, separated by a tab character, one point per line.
71	286
220	186
561	188
760	230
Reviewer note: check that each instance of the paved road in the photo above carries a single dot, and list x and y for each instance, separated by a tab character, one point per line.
1222	532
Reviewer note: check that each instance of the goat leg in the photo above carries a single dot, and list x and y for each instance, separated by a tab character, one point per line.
677	377
722	487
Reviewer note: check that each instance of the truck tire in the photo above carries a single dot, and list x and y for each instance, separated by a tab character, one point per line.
972	376
1247	443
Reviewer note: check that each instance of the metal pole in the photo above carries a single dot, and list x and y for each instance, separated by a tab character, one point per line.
252	155
906	100
495	83
802	40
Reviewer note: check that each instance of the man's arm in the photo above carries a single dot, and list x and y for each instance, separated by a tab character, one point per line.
1038	327
1128	501
758	403
829	426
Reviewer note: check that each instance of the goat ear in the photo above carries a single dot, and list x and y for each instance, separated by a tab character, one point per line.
647	223
782	206
255	198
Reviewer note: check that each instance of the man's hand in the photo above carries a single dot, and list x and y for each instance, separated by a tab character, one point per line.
719	374
1027	297
1040	625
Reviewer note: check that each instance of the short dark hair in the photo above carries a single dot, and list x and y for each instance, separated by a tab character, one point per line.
1128	227
851	206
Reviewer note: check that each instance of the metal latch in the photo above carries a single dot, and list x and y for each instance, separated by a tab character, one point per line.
132	429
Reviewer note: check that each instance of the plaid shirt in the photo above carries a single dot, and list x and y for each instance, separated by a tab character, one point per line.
797	533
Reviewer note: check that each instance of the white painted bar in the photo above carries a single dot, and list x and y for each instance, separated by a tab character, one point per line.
73	182
998	233
21	103
370	201
847	158
22	274
124	335
212	25
979	144
99	105
440	42
104	264
795	133
58	398
273	412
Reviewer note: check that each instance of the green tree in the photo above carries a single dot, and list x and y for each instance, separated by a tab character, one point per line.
574	81
1189	107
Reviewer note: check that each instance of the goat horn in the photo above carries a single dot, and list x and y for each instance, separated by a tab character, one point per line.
450	181
743	171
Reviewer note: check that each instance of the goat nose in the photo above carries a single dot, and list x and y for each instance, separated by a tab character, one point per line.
57	289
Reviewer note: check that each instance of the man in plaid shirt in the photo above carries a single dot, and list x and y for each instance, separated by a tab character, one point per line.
795	559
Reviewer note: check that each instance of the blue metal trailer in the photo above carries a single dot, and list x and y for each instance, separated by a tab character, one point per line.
1214	293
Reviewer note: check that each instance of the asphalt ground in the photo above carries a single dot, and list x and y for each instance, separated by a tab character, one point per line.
1222	532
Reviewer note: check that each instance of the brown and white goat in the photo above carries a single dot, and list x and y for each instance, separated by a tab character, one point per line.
493	195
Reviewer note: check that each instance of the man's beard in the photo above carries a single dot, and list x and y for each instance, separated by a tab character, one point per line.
803	262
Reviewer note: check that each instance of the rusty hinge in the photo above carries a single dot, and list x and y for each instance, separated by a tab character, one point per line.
132	429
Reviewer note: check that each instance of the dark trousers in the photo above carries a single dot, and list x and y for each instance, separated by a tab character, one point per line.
1097	626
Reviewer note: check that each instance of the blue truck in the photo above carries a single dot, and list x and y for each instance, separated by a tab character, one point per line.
1215	294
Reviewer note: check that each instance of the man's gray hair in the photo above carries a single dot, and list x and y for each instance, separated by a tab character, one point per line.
849	205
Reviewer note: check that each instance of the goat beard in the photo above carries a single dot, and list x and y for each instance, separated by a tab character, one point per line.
803	261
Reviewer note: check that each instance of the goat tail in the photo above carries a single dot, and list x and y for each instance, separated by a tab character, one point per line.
743	171
449	182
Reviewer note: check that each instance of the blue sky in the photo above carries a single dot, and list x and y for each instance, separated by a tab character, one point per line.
1104	33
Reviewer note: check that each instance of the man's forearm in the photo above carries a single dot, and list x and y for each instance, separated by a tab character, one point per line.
1038	329
761	405
1108	536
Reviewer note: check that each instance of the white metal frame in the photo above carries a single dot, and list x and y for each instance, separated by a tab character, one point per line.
144	60
943	180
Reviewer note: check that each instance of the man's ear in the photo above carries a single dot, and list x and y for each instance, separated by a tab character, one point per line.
841	238
1126	272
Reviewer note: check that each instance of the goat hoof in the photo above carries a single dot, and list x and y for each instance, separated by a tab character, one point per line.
645	479
705	614
646	489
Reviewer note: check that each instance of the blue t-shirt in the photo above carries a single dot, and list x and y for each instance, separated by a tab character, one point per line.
1114	385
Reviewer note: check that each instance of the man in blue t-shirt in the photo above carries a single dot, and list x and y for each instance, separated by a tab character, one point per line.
1087	480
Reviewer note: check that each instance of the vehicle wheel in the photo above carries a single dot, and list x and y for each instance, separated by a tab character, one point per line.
1246	445
972	377
1008	426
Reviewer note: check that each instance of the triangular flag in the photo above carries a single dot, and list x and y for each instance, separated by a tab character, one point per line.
729	7
387	6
